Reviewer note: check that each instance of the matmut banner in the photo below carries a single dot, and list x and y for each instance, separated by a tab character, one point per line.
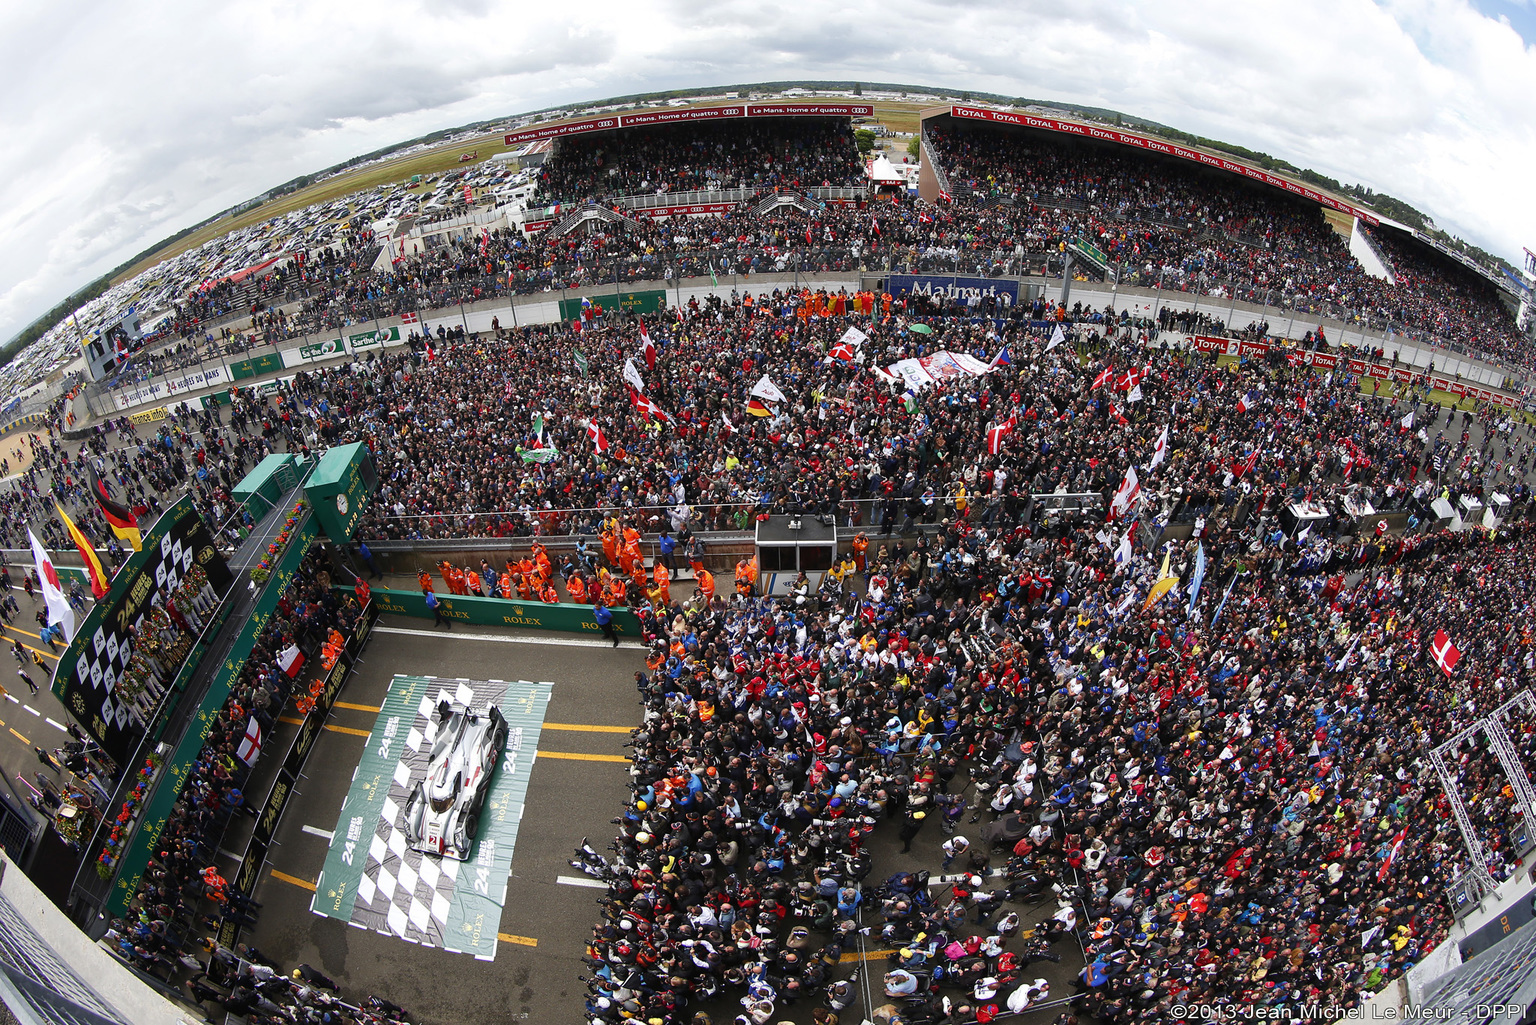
686	115
1156	145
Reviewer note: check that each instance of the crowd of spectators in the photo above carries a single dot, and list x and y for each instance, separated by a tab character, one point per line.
759	154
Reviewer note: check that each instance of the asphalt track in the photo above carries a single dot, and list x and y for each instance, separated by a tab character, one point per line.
577	785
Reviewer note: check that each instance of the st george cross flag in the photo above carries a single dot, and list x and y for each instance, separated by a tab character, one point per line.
598	438
997	432
250	744
632	376
1057	337
53	594
1446	654
1105	377
1129	489
647	349
766	389
1160	450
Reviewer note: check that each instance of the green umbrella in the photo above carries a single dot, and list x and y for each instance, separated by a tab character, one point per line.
922	329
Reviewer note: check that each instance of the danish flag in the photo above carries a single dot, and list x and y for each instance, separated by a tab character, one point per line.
997	432
599	439
649	408
1446	654
647	348
1105	376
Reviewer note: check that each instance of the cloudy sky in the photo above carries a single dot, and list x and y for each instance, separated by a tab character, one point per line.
124	123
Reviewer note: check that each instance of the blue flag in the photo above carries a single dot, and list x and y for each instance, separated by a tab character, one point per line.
1198	579
1224	600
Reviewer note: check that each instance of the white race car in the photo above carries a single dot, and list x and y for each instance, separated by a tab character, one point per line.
443	812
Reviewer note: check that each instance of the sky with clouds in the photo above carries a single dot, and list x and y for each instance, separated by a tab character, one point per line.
128	122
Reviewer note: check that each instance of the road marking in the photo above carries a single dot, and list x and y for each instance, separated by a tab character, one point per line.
18	736
13	699
867	955
19	630
56	725
573	756
231	855
290	720
527	941
293	880
347	730
579	728
559	642
324	834
356	708
33	711
596	884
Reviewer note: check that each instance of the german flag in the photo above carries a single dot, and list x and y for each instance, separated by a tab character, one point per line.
756	408
87	553
121	518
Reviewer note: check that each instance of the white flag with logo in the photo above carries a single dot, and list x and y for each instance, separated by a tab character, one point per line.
1057	337
632	376
53	593
1408	421
766	389
854	337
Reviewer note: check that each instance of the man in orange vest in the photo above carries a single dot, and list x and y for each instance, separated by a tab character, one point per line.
745	578
577	589
706	582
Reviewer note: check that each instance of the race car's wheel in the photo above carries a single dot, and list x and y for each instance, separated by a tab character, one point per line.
471	828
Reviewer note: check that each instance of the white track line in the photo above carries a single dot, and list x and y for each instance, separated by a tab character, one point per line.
324	834
57	725
562	642
596	884
33	711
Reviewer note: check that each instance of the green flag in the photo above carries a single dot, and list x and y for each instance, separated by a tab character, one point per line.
537	455
538	427
581	362
712	279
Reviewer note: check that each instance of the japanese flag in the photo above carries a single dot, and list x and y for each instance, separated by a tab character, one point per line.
1160	450
53	592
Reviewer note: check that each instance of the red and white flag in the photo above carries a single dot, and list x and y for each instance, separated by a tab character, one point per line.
997	432
1397	845
53	592
730	428
1128	380
1446	654
599	439
843	351
1105	376
409	318
1245	465
1160	450
647	349
291	660
1126	496
250	744
649	408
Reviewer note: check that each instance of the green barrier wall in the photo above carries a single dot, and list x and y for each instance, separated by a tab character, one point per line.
564	617
173	774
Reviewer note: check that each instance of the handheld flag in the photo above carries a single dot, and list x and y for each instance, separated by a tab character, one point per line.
250	744
53	594
119	517
1446	654
632	376
599	439
1000	360
1407	421
1129	489
997	432
1246	403
756	408
1159	450
1198	579
581	361
647	349
647	407
1057	337
766	389
1225	595
1105	377
88	553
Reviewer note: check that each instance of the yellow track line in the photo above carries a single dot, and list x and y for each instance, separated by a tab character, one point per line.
527	941
18	736
19	630
573	756
579	728
293	880
356	708
347	730
290	720
868	955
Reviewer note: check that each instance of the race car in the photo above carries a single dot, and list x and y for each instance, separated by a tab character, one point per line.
443	812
